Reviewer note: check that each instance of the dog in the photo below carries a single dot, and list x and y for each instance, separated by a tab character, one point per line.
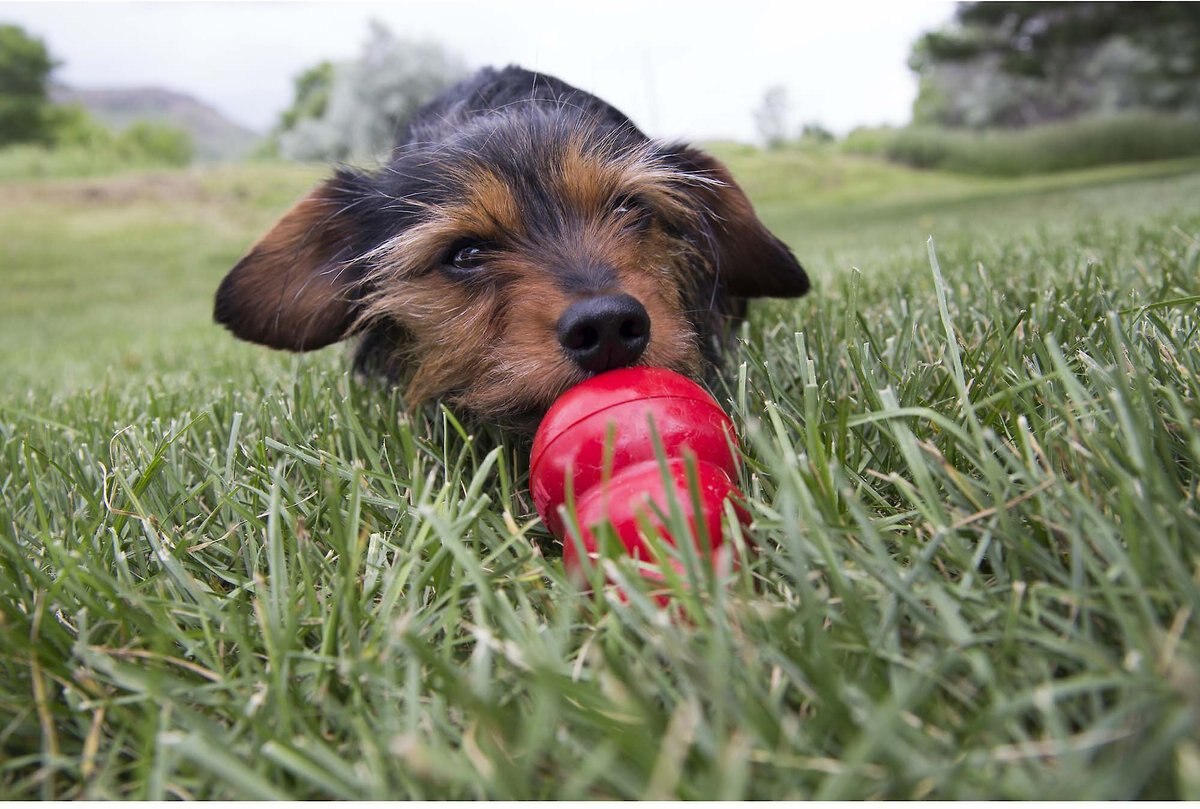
524	236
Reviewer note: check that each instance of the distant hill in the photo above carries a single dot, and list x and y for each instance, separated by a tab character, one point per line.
215	137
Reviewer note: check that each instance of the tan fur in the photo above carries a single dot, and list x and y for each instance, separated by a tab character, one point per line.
289	290
492	347
523	235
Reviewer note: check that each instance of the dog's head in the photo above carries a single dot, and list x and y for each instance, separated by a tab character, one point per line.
531	249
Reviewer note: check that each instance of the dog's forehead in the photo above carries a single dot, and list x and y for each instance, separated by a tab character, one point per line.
536	179
546	162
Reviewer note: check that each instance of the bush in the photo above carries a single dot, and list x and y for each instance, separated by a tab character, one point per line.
80	146
72	127
30	161
814	132
146	141
1126	138
868	140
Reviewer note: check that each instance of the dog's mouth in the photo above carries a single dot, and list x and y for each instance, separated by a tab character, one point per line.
514	377
522	406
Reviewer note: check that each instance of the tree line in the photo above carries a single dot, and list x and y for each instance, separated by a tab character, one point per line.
1006	64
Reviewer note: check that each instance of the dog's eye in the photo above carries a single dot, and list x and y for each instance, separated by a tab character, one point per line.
631	210
467	255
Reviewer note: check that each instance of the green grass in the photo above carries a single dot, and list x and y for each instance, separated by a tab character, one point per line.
117	275
973	468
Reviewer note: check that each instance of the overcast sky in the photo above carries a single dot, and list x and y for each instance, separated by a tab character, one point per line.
680	69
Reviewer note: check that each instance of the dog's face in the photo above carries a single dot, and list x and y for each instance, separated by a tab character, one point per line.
504	264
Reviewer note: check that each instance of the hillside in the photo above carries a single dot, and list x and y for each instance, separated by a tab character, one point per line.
214	135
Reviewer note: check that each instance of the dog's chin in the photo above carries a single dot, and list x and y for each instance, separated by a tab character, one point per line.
514	405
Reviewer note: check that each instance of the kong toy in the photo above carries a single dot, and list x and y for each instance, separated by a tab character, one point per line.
598	443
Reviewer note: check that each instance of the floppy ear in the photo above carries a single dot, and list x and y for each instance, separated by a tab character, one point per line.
752	263
295	288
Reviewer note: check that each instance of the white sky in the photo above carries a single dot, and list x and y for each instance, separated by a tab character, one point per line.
679	69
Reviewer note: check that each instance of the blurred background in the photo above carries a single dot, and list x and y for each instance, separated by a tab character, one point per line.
91	87
144	146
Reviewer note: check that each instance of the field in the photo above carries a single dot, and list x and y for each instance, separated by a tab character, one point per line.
972	460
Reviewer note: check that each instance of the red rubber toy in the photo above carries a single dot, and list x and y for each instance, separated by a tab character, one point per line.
607	419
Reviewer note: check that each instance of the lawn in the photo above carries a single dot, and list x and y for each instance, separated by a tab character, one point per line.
972	461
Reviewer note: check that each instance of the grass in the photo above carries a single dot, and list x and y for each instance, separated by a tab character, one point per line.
973	466
119	273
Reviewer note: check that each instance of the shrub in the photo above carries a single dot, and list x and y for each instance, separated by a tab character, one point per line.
146	141
814	132
80	146
868	140
1126	138
71	126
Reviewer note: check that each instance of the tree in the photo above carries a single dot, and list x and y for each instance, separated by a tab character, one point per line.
312	95
771	116
354	110
25	67
1014	63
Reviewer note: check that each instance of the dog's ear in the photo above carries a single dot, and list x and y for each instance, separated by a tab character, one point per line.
752	263
296	287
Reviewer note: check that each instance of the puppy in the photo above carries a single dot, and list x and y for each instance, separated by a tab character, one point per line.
524	236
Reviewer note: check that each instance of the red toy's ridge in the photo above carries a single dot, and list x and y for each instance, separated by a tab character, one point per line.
541	445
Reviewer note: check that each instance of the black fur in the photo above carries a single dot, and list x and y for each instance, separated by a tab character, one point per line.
516	123
511	119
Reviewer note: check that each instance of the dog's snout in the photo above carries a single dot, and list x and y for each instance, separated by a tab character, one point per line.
604	332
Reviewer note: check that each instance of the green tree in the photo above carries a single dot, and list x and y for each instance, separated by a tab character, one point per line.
1012	63
352	110
25	67
312	95
1039	39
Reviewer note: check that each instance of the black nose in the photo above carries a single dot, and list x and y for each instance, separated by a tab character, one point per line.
604	332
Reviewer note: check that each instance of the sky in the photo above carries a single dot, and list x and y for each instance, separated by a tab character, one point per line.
693	69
